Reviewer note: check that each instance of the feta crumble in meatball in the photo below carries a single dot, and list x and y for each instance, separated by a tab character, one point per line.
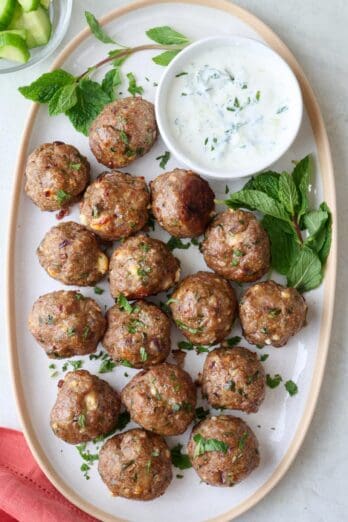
56	175
271	313
65	323
86	407
136	464
182	202
204	307
237	247
125	130
223	450
115	205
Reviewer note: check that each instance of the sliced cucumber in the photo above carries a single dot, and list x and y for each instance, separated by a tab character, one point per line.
13	47
7	8
45	3
36	23
29	5
19	32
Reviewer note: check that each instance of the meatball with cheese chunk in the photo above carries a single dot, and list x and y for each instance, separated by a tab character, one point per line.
115	205
237	247
71	253
65	323
125	130
136	464
86	407
271	313
56	174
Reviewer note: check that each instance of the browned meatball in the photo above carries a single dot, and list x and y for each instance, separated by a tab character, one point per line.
204	307
142	266
85	408
234	378
271	313
66	324
136	464
115	205
237	247
161	399
139	334
56	174
125	130
182	202
70	253
223	450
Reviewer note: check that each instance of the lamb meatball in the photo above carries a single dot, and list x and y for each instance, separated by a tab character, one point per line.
237	247
236	457
136	464
204	307
139	334
56	174
271	313
70	253
124	131
86	407
115	205
161	399
182	202
234	378
66	324
142	266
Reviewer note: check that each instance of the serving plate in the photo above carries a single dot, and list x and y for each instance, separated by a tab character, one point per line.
282	421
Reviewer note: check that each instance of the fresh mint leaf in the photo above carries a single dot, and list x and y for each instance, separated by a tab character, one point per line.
165	58
325	249
165	35
291	388
301	176
267	182
97	30
288	193
133	88
107	365
91	99
63	99
175	242
284	243
257	200
180	460
204	445
273	382
164	158
111	81
42	89
315	222
305	273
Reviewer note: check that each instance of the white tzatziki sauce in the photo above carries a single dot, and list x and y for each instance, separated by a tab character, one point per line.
229	108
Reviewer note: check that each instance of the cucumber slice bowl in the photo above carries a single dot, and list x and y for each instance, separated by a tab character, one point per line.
13	47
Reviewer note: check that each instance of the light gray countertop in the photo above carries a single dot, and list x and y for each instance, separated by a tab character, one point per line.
316	487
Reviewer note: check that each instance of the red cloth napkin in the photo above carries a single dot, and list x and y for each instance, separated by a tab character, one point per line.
26	495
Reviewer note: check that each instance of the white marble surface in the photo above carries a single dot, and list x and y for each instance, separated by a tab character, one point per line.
315	488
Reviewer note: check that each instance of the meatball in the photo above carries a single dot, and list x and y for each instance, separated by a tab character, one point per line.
271	313
66	324
136	464
237	247
86	407
125	130
161	399
139	334
204	307
70	253
115	205
142	266
223	450
56	174
182	202
234	378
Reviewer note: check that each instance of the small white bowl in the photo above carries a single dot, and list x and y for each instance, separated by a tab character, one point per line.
265	55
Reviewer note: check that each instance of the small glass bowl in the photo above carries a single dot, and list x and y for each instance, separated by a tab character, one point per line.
60	14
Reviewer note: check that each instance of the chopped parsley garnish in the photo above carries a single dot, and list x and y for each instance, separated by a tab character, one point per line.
180	74
79	296
242	440
94	356
233	341
106	366
264	357
201	413
195	241
86	454
145	247
98	290
176	242
273	382
180	460
236	103
184	326
133	88
85	469
52	366
206	141
75	166
124	304
204	445
70	332
81	420
148	465
186	345
164	158
134	325
76	365
252	378
62	196
258	95
125	362
124	137
291	388
274	312
143	354
86	330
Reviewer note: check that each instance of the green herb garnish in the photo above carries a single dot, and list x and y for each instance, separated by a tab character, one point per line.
164	158
176	242
180	460
273	382
204	445
62	196
291	388
143	354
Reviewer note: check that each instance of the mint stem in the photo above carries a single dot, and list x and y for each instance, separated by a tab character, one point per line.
297	229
